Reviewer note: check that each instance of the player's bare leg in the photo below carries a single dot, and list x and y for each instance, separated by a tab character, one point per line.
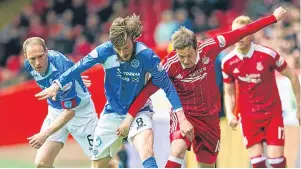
256	156
275	156
178	149
143	142
113	163
204	165
47	153
101	163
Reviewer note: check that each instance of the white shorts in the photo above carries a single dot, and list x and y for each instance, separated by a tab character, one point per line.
80	127
106	142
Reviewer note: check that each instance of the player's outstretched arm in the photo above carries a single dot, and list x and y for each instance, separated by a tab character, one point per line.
81	66
49	92
37	140
229	101
229	38
291	74
65	79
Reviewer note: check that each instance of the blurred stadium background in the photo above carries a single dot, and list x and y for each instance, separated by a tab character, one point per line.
74	27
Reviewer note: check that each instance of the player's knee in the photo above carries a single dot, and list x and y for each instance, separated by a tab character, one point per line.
178	148
42	164
205	165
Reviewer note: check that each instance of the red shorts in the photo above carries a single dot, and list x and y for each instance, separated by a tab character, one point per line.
207	136
263	127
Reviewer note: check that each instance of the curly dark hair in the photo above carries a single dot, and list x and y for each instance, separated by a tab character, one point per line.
122	28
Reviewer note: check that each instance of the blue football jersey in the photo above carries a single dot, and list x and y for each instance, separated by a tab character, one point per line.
124	80
73	94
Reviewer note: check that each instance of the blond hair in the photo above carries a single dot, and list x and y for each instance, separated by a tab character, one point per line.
123	28
242	20
33	40
183	38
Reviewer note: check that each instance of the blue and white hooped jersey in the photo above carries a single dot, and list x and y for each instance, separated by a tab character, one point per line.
73	93
124	80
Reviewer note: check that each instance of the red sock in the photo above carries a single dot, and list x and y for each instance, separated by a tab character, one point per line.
174	162
277	162
258	161
171	164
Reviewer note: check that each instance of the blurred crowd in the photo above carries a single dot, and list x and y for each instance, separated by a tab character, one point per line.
75	27
284	37
196	15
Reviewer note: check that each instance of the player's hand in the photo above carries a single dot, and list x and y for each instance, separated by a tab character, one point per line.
86	81
185	126
37	140
232	120
123	129
49	92
279	13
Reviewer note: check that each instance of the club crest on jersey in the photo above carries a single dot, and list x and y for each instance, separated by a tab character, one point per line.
205	60
259	66
68	104
135	63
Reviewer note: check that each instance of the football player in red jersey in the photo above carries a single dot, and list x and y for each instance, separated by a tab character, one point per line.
191	68
253	66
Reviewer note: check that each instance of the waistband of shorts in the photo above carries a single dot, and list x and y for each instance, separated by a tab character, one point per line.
113	115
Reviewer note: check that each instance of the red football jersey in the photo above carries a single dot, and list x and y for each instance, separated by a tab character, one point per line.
255	73
196	86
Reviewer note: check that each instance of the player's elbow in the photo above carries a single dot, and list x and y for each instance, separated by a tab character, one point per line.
290	73
293	77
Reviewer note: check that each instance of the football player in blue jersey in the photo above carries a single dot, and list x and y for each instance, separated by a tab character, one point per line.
127	63
71	112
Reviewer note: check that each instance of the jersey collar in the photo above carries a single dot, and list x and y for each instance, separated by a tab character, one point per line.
248	55
51	68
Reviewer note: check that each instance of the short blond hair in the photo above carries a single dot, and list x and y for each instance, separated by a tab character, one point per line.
33	40
183	38
123	28
243	20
